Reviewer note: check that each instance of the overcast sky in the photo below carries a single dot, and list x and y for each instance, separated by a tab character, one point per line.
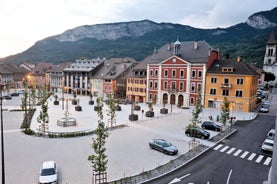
23	22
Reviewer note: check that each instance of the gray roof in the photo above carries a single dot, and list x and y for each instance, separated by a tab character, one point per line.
239	68
187	51
84	65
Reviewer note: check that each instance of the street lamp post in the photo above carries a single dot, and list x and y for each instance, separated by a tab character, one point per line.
2	133
62	93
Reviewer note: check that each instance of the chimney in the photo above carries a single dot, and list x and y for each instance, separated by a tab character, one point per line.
209	53
155	51
238	59
195	45
168	46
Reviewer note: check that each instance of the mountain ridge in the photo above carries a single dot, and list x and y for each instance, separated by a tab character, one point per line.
138	39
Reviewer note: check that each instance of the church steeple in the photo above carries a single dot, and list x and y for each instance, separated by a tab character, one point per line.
271	39
270	52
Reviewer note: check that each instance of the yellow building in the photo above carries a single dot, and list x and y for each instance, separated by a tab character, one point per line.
136	82
236	80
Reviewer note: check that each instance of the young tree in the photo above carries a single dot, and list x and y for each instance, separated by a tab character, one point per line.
225	111
43	118
111	111
195	113
99	159
24	108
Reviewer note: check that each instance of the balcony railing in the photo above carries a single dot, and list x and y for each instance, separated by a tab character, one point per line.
226	85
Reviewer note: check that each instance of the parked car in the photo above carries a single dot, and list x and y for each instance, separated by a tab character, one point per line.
14	94
267	102
48	173
264	109
268	145
197	132
7	97
211	125
163	146
271	134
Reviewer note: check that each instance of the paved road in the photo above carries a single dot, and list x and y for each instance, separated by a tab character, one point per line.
235	160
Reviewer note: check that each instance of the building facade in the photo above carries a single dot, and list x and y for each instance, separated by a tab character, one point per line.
235	80
177	71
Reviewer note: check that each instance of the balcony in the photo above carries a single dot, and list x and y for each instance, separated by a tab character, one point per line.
226	85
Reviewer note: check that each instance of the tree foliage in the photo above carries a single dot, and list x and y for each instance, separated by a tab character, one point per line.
99	159
269	76
112	107
225	111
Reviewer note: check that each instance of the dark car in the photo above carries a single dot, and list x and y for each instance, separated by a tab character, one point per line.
7	97
163	146
14	94
197	132
210	125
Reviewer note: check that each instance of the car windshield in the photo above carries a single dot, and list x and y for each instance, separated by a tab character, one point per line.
48	171
268	144
201	131
165	144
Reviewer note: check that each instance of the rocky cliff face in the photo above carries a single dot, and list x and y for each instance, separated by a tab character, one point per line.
111	31
260	22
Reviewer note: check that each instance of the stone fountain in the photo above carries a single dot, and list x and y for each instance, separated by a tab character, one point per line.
66	121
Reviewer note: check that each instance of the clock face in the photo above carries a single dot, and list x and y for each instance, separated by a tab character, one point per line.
174	60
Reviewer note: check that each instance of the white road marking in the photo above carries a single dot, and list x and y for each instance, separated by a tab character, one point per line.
229	176
230	151
176	180
267	161
218	146
259	159
224	149
244	154
237	152
251	156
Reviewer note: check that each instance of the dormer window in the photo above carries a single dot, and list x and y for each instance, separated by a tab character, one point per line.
227	69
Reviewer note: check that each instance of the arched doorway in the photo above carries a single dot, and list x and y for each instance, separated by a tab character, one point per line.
165	96
172	99
180	100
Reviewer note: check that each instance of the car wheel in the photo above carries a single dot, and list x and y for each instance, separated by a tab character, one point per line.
202	137
151	146
165	152
188	134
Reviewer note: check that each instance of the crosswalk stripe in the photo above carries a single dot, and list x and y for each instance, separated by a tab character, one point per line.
218	146
224	149
259	159
230	151
267	161
244	154
252	156
237	152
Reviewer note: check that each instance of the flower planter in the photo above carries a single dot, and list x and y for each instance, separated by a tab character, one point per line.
164	111
78	108
56	103
91	102
149	114
133	117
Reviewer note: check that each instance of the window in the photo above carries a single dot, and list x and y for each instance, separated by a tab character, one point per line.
173	85
214	80
150	97
240	81
165	85
191	101
193	73
173	73
225	92
182	73
150	84
165	73
238	93
181	86
200	74
199	87
226	81
151	72
212	91
156	84
192	87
